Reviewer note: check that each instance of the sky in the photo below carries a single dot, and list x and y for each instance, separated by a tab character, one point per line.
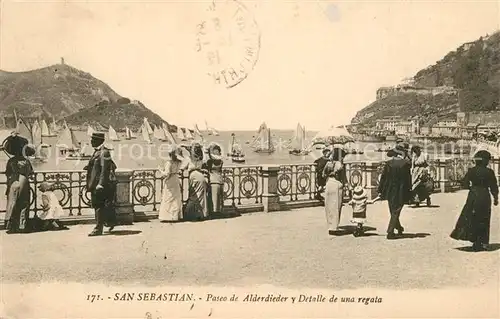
319	62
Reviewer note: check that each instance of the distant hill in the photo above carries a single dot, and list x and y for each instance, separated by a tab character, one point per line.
66	93
467	79
118	114
58	90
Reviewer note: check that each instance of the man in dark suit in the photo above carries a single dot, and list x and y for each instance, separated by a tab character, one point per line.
320	179
101	183
395	187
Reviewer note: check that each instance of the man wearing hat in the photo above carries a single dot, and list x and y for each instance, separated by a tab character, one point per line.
101	183
395	187
320	179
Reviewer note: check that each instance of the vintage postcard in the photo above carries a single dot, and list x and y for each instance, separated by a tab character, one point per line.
249	159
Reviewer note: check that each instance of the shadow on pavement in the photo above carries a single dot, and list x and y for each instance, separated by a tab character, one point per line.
469	249
425	206
349	230
123	232
412	236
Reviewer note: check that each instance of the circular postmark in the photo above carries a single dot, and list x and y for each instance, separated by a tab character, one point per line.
228	39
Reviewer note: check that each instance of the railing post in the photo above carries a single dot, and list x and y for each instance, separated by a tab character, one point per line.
372	179
444	181
124	207
270	196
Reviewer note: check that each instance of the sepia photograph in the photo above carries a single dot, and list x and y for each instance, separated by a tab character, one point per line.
249	159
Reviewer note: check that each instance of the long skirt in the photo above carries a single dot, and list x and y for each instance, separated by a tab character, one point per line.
196	206
422	184
171	200
216	200
333	203
17	216
474	222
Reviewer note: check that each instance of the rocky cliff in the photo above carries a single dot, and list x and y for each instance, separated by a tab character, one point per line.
467	79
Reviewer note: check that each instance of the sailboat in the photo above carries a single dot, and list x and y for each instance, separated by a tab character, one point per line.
207	129
180	134
112	134
159	133
37	141
298	142
211	130
23	130
70	146
263	142
145	133
128	134
147	126
46	131
235	151
189	135
53	126
90	130
168	136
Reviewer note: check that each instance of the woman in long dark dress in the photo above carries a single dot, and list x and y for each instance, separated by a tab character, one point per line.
474	222
17	171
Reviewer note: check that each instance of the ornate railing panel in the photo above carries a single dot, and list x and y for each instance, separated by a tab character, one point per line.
242	185
70	189
297	182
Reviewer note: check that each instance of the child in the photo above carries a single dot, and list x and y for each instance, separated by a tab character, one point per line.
51	209
358	203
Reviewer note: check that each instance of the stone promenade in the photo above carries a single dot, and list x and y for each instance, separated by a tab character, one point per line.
288	249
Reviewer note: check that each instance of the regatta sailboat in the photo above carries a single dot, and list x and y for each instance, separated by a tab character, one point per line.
263	142
69	145
180	134
128	134
148	126
298	146
211	130
235	151
169	137
37	141
53	126
145	134
90	130
189	135
159	133
112	134
46	131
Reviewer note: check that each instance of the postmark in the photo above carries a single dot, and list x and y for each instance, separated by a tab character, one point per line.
228	40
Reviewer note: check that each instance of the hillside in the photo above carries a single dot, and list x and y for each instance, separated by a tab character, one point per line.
66	93
58	90
467	79
118	114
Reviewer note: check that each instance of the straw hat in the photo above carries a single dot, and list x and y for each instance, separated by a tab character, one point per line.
173	149
359	193
45	186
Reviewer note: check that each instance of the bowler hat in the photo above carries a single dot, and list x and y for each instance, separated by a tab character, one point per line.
98	136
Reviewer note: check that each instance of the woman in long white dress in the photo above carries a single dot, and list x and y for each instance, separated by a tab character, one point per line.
335	176
171	197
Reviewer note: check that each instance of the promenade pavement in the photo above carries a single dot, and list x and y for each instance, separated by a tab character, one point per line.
288	249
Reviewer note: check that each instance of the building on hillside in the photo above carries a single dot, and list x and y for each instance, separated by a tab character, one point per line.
426	130
445	128
488	128
387	123
404	128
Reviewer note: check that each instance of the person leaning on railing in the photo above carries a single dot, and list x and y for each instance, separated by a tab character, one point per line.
320	179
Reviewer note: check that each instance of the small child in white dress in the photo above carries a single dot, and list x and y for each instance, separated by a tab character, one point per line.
51	209
358	203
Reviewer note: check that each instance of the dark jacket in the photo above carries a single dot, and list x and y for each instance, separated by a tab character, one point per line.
320	166
100	170
395	181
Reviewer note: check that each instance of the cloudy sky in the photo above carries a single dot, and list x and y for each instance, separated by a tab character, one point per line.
319	61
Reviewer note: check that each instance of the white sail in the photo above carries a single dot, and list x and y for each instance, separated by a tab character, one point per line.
112	134
197	130
263	142
208	130
36	133
128	133
145	133
148	126
298	138
168	136
45	129
23	130
90	130
53	126
180	134
159	133
189	136
214	132
67	139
